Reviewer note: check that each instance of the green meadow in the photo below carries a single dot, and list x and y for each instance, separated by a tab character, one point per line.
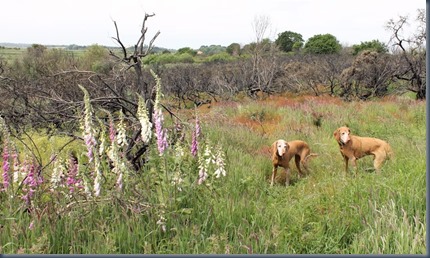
10	54
326	212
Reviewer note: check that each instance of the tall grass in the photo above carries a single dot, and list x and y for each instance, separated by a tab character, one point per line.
327	212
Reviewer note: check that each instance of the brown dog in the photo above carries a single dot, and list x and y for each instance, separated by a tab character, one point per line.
354	147
283	151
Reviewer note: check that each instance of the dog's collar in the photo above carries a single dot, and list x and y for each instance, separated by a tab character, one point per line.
341	144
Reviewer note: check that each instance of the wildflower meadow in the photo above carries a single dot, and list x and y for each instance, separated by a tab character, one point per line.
204	186
96	174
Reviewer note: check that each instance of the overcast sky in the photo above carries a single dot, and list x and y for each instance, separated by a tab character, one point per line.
193	23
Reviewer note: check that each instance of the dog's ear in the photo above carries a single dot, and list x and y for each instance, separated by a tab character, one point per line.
274	148
336	135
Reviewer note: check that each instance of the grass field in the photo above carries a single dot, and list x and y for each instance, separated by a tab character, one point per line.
12	54
327	212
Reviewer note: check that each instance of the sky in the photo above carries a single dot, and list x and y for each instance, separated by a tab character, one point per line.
194	23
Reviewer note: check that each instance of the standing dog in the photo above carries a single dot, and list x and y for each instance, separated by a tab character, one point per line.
283	151
354	147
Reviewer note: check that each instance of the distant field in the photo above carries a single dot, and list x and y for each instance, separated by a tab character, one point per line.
10	54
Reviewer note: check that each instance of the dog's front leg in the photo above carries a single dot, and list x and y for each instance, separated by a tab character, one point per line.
346	164
354	165
275	168
287	177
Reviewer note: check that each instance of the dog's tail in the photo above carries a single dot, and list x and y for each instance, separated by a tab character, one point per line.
389	152
310	155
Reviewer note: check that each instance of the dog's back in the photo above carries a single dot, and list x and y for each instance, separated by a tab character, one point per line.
369	145
297	146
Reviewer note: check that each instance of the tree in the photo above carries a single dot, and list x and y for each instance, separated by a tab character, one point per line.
212	49
322	44
233	49
144	89
186	50
313	73
288	41
135	59
374	45
411	52
96	59
369	76
263	57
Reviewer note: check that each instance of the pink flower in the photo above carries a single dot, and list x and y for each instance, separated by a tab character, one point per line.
194	144
112	132
31	226
6	166
202	176
119	181
160	132
90	142
196	135
16	166
198	128
31	182
72	181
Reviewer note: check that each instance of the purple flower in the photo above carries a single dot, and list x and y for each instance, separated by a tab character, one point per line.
160	132
194	144
31	182
90	142
72	181
196	135
198	128
112	132
16	166
6	166
31	226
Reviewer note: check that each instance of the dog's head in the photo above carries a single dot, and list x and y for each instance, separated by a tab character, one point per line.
342	134
280	147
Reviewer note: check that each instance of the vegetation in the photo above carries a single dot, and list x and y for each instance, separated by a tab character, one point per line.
163	209
322	44
165	152
374	45
288	41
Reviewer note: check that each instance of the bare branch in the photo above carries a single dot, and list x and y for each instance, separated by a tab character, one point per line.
119	41
143	32
150	46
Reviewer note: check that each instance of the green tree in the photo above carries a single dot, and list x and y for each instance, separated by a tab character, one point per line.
96	59
40	61
233	49
219	58
322	44
186	50
212	49
374	45
288	41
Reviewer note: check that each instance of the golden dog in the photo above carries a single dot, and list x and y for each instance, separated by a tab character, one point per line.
283	151
353	147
